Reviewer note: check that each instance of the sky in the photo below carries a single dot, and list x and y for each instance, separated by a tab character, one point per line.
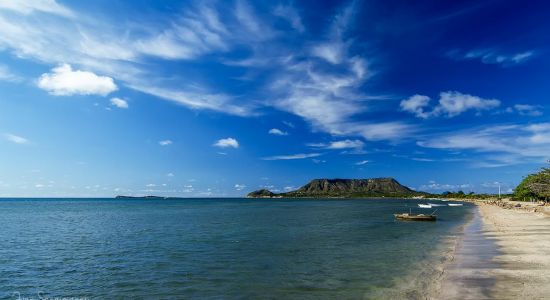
219	98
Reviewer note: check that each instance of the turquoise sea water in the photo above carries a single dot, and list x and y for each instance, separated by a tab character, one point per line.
218	248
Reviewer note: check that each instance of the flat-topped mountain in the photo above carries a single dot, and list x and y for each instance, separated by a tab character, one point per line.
345	188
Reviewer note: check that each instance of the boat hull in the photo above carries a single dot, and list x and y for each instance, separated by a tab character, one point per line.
407	217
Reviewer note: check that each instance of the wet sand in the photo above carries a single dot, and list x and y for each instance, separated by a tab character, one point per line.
503	254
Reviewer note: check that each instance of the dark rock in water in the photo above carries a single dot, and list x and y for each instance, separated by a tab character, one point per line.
345	188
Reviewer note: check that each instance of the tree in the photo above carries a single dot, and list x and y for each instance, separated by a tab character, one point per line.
534	186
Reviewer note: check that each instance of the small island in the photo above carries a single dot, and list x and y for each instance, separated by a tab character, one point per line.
139	197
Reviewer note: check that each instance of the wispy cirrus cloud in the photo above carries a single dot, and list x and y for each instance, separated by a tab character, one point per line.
335	145
361	163
318	80
292	156
492	56
197	98
30	6
290	14
501	144
15	138
276	131
90	43
7	75
323	87
198	32
526	110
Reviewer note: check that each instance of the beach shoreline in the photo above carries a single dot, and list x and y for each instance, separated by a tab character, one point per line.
501	255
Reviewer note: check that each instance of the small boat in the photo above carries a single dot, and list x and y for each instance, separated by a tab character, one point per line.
424	206
419	217
455	204
436	205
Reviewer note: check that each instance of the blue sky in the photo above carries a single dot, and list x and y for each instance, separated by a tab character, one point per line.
218	98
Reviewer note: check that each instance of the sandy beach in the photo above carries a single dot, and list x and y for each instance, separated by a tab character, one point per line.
502	255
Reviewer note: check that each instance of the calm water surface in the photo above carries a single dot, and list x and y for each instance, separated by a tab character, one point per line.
215	248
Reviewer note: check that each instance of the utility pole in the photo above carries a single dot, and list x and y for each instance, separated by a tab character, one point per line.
499	190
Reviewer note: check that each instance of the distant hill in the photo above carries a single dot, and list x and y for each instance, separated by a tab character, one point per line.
345	188
263	193
138	197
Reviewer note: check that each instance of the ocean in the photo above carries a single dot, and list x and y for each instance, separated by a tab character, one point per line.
222	248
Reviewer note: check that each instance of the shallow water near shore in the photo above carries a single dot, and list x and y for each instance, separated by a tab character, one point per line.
468	275
221	248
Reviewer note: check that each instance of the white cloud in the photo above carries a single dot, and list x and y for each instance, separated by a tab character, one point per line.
198	32
451	104
492	56
292	156
165	142
331	52
344	144
434	186
165	45
15	138
290	14
250	22
416	104
196	99
27	7
120	103
170	174
380	131
526	110
240	187
363	162
455	103
63	81
227	143
334	50
276	131
422	159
